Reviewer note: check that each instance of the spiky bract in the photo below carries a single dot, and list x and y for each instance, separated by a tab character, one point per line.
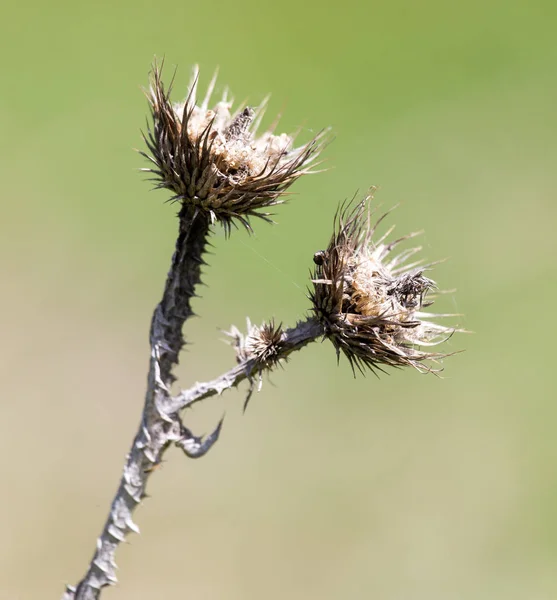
212	159
369	302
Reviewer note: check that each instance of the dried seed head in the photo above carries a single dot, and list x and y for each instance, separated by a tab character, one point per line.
212	159
370	302
262	344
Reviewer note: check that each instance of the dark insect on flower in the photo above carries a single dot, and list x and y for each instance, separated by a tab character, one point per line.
369	301
212	158
319	257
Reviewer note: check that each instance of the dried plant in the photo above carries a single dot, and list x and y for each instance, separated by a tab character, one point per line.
212	158
368	302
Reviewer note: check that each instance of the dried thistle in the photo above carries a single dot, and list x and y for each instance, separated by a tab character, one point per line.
212	158
261	344
370	302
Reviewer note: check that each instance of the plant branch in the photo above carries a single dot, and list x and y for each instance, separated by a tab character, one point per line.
158	428
291	340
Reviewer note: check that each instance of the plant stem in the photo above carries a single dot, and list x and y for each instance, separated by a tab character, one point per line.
157	428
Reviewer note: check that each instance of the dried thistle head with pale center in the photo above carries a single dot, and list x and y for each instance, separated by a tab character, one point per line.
262	344
370	301
213	159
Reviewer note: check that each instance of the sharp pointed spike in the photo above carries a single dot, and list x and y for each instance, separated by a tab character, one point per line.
209	93
249	394
192	93
196	447
259	113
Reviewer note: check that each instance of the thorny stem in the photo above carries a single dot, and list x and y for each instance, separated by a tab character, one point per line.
158	429
184	275
161	424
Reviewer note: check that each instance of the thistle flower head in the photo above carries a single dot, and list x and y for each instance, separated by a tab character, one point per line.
212	158
369	301
262	344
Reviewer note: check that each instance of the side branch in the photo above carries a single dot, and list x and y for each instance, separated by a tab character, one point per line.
290	340
161	425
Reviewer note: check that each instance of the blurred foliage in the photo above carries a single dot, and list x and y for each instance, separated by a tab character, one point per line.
405	486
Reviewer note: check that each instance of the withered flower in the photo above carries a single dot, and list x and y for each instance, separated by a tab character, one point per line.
261	344
369	301
212	159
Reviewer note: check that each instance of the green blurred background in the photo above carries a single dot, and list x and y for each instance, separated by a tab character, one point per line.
402	487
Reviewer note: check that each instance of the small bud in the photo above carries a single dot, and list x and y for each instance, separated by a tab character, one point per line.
212	159
261	344
264	343
369	303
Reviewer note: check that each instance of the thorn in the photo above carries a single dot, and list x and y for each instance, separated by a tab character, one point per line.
116	533
131	525
250	393
196	447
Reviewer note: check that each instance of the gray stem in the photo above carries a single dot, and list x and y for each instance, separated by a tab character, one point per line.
158	428
161	424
